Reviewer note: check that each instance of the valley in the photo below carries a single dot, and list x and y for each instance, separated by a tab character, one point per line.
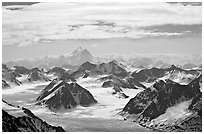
99	117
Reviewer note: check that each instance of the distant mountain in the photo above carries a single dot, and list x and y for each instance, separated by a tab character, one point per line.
37	75
59	95
111	67
83	70
187	3
161	64
23	120
114	81
79	56
150	75
153	102
21	69
87	66
82	55
189	66
87	69
18	3
59	71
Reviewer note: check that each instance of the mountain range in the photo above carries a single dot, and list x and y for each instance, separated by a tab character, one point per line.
168	99
82	55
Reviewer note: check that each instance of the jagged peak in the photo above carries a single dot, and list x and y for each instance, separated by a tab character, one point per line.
35	69
86	63
113	62
80	50
173	66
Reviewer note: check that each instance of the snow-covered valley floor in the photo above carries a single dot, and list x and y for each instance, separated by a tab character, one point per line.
99	117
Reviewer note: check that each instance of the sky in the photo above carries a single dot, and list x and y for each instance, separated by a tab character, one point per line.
103	28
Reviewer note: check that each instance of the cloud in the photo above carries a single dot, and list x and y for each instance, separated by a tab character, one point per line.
94	45
53	21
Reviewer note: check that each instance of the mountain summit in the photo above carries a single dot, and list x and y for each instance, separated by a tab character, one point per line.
77	51
79	56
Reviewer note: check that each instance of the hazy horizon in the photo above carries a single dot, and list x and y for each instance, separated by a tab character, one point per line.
101	48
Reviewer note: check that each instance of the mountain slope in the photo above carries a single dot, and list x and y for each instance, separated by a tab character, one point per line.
10	78
111	67
83	70
62	95
37	75
154	101
59	71
20	119
21	69
173	72
111	81
4	84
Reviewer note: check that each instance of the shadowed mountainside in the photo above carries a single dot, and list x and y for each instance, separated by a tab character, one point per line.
24	121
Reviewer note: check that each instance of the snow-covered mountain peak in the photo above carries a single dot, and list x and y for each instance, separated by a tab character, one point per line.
78	51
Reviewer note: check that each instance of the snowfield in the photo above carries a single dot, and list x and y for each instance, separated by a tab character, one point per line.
23	88
107	107
99	117
108	104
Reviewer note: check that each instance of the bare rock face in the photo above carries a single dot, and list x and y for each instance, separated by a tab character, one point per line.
83	70
57	71
112	67
10	78
37	75
87	66
119	92
112	81
4	84
25	121
116	83
64	95
154	101
150	75
21	69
